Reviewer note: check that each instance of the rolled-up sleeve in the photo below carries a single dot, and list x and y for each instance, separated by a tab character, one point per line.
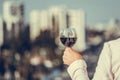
77	70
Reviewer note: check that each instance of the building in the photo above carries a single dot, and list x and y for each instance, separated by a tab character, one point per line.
1	31
58	22
57	19
13	15
44	20
13	12
77	21
34	24
39	21
53	19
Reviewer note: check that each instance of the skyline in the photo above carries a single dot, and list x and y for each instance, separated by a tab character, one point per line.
96	11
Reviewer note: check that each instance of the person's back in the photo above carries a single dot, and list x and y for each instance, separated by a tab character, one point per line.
114	47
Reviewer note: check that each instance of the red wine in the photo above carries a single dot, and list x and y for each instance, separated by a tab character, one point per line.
69	42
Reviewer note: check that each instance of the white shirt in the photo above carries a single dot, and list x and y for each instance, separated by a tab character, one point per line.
108	66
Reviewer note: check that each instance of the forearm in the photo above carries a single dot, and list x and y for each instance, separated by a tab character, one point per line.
77	70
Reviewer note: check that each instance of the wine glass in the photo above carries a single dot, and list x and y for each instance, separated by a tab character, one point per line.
68	37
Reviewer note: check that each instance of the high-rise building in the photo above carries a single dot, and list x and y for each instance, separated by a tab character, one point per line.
13	15
58	22
77	21
44	20
1	31
34	24
39	21
53	19
57	19
13	11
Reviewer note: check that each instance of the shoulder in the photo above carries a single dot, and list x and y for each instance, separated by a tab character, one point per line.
114	47
113	43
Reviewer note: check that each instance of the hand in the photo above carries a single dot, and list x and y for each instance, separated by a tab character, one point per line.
70	56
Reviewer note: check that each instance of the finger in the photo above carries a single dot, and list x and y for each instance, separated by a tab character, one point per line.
66	52
71	50
64	60
67	58
67	49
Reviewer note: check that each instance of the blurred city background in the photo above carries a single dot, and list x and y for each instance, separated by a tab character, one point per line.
30	48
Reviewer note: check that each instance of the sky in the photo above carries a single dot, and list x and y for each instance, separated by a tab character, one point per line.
96	11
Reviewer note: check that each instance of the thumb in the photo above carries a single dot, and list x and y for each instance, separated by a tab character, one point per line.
71	50
68	49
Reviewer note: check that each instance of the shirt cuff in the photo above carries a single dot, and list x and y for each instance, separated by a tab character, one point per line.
78	64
